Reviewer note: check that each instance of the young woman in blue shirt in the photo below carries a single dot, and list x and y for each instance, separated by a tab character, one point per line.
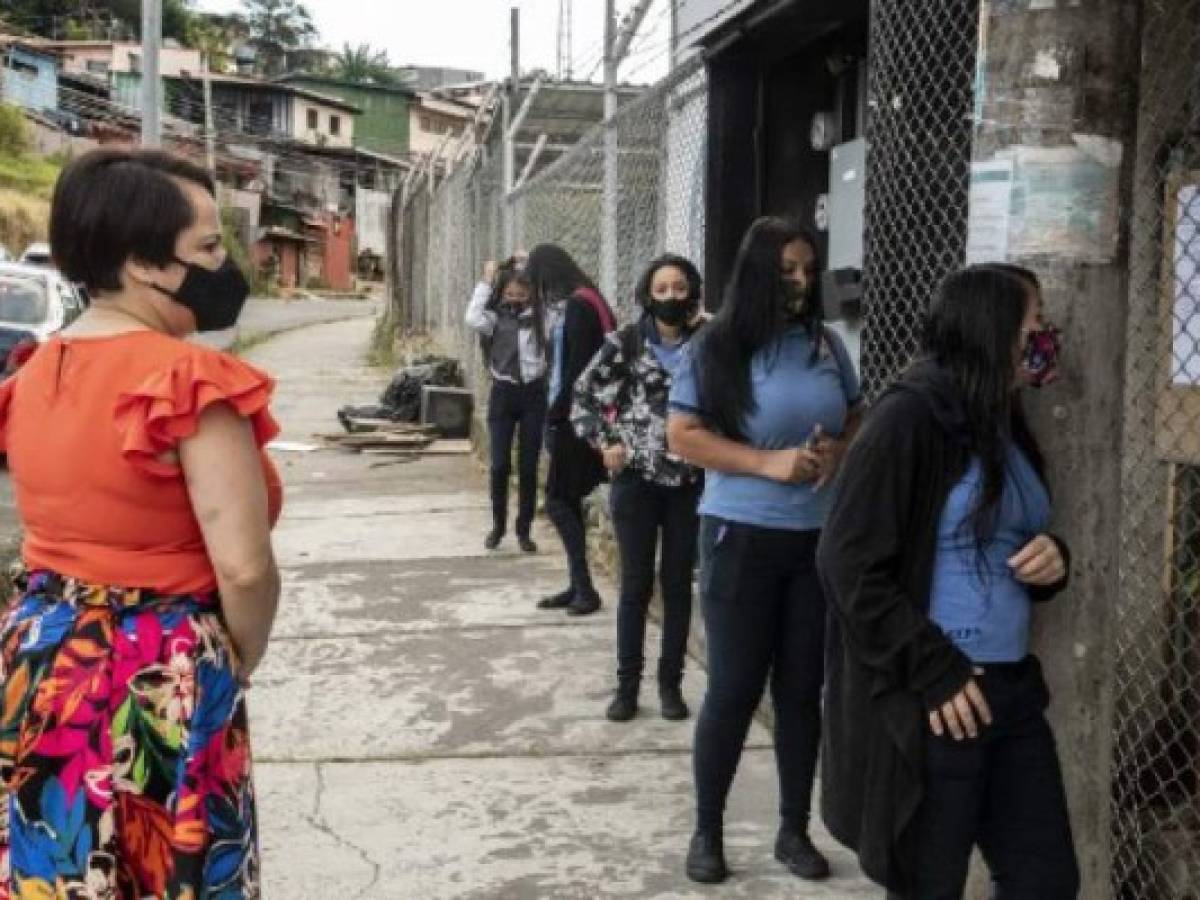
933	556
765	405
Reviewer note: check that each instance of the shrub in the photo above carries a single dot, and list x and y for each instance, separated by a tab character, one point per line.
14	135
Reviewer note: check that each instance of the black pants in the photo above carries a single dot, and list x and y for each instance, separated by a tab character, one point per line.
764	613
575	471
516	410
642	511
1002	792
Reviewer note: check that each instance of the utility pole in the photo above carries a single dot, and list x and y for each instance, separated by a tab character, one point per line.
616	48
511	99
151	80
210	134
565	39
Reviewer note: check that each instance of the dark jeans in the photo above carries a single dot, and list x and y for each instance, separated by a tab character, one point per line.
516	411
574	472
642	511
764	615
1002	792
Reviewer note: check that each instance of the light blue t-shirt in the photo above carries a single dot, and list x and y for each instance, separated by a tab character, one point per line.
976	600
668	355
793	393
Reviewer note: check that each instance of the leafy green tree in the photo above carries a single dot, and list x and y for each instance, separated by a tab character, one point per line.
275	27
94	19
365	65
217	37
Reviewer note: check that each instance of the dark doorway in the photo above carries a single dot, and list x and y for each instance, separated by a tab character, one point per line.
774	79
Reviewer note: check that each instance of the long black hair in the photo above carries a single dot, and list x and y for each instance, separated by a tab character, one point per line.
507	273
754	313
973	329
554	274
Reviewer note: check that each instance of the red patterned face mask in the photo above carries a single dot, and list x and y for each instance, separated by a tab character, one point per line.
1039	361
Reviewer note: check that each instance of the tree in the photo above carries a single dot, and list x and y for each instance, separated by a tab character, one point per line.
217	37
365	65
93	19
275	27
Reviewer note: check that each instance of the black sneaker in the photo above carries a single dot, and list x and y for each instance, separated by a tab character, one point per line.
797	853
526	543
495	536
706	858
671	703
624	705
559	601
584	604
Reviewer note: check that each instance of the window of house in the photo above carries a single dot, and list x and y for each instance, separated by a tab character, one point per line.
426	124
97	67
21	67
314	121
335	125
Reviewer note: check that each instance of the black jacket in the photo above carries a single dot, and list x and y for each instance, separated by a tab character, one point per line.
583	336
888	663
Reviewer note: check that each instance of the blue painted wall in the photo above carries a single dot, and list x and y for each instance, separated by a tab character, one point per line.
30	79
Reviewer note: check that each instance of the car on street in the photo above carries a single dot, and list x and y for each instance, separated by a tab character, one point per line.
37	254
35	302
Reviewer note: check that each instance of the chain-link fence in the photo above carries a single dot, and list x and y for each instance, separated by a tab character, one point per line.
448	231
1156	732
922	80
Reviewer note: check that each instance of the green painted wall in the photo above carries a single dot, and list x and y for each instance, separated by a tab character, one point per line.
383	124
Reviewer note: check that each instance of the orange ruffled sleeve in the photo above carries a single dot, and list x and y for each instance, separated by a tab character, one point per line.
166	408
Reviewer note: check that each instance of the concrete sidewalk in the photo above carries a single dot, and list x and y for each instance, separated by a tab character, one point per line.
422	731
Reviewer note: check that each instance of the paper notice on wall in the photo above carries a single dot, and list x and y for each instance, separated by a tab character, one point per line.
990	211
1185	319
1066	201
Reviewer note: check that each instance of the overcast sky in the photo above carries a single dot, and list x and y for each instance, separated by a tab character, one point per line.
473	34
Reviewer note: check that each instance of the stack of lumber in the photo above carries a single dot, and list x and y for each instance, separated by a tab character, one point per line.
383	437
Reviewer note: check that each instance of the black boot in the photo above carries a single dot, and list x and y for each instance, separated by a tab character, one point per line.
499	491
526	544
561	600
706	857
671	702
794	849
584	604
670	697
625	703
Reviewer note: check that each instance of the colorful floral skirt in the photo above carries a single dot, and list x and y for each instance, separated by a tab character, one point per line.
124	749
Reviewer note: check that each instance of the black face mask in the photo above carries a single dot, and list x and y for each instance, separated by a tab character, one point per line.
673	313
797	300
215	296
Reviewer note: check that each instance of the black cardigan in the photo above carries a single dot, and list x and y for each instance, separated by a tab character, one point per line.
583	336
888	663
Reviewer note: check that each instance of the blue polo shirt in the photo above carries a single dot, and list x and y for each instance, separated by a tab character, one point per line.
669	356
976	600
793	393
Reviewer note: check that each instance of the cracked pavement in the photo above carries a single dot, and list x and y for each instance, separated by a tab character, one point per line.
422	731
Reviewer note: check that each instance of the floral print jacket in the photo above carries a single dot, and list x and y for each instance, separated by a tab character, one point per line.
622	397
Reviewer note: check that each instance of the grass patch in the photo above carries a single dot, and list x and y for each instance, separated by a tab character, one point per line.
381	354
29	175
23	219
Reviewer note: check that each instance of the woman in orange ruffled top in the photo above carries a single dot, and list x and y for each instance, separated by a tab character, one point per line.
149	584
